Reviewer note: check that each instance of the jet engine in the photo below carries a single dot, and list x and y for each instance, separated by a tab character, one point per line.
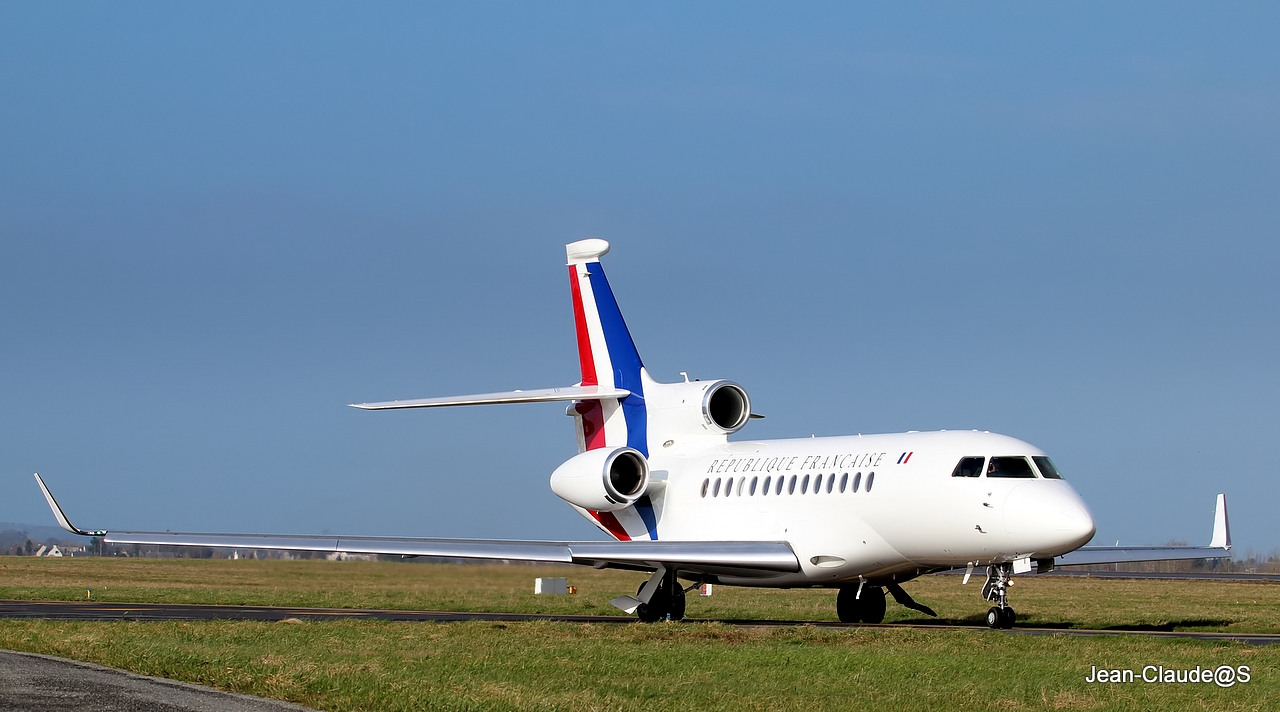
603	480
697	409
726	406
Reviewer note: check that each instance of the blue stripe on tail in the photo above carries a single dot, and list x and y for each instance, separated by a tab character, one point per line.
625	359
626	374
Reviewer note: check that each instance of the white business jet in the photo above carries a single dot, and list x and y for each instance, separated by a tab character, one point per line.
655	471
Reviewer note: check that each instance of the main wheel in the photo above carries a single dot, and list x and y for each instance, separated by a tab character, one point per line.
667	602
655	610
868	609
994	618
873	604
677	603
848	607
1007	617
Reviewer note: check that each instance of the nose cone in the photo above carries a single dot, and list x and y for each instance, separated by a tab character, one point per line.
1048	518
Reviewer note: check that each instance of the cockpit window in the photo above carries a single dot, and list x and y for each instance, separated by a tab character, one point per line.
1015	467
969	467
1047	470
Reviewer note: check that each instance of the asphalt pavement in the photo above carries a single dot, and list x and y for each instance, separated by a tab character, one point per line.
40	683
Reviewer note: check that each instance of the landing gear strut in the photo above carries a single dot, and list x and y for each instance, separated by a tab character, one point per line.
667	602
865	608
996	590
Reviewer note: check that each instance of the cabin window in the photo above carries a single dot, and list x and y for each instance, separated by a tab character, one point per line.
705	484
728	486
715	491
844	481
857	481
1047	470
791	488
765	490
871	478
968	467
804	485
831	482
780	480
754	482
1011	467
742	481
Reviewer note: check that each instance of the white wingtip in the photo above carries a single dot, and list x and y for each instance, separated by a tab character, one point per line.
59	514
1221	528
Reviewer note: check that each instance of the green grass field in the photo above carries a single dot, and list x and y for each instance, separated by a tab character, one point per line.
369	665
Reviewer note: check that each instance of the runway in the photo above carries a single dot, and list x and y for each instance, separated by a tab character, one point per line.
1149	575
42	683
101	611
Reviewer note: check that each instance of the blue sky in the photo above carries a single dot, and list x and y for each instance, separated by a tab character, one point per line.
221	223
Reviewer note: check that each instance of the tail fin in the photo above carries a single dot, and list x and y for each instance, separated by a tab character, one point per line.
607	355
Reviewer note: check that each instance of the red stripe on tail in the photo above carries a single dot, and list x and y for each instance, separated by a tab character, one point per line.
584	338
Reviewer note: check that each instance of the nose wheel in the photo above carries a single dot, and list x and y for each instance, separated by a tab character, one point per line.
996	590
1000	617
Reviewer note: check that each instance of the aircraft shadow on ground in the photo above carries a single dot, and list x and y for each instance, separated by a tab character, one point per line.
1167	626
1170	626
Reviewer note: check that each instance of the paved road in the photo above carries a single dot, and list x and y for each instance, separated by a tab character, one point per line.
1140	575
39	683
84	610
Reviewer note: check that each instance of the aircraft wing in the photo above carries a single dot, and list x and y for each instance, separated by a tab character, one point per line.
749	559
1219	547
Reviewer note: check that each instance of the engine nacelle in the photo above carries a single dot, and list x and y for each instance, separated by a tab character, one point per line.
726	406
698	408
603	480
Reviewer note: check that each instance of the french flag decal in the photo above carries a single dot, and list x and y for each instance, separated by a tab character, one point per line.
904	457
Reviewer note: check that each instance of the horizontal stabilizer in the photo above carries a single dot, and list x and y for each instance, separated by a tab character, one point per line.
539	395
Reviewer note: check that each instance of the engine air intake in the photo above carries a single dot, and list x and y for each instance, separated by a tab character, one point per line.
727	406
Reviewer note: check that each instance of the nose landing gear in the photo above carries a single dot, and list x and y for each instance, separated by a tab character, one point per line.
996	589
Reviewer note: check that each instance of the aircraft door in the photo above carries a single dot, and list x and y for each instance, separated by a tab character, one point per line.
980	514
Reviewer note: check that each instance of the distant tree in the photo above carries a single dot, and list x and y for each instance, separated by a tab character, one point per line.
29	547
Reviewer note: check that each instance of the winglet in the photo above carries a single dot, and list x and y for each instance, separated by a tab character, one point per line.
1221	529
60	515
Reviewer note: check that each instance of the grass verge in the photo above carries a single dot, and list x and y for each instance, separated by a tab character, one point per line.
1042	601
368	665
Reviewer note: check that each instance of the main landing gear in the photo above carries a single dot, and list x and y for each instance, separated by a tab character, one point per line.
667	603
996	589
868	606
860	604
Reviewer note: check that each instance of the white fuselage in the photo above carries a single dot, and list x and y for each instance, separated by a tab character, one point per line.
883	507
